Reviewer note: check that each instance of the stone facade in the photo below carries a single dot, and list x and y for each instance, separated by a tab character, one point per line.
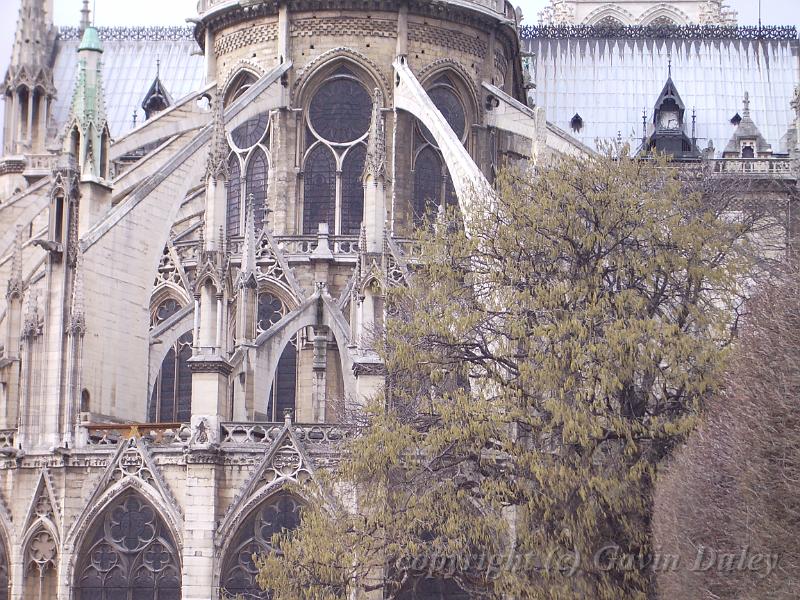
190	307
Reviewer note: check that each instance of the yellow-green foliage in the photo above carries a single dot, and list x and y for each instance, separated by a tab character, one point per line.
548	354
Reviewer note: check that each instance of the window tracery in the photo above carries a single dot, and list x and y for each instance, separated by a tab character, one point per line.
164	311
433	186
248	166
337	124
171	399
41	556
129	555
238	86
278	514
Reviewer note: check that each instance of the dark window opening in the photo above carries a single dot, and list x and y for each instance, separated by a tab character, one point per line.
234	196
748	152
171	399
319	182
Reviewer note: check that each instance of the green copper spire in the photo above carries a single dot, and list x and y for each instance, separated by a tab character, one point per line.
91	40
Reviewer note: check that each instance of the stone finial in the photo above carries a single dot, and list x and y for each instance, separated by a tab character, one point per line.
78	314
85	12
217	167
30	327
247	272
746	106
15	282
375	164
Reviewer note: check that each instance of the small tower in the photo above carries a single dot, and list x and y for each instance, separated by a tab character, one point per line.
747	141
668	131
29	89
157	99
87	140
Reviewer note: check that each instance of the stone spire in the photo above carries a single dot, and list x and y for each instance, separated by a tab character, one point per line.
375	164
15	282
35	34
217	167
88	112
85	20
247	273
26	112
746	106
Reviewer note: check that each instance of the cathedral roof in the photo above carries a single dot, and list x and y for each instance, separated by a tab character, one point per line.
130	58
609	81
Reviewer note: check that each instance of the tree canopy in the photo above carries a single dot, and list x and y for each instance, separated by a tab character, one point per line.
549	351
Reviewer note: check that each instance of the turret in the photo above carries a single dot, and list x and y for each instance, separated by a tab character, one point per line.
28	87
87	140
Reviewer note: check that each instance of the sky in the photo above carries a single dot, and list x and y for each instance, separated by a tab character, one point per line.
175	12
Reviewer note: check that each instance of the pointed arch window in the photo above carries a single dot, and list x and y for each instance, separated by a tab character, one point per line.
337	124
129	554
283	393
171	399
249	157
278	514
433	186
238	86
41	556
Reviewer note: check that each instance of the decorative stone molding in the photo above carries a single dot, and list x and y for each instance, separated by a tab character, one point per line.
685	32
250	36
126	34
355	27
447	38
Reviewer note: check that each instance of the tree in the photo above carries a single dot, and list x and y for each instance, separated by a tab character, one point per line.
550	351
728	508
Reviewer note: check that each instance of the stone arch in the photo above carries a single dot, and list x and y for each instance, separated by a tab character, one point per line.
620	14
128	542
315	72
169	291
40	556
461	78
5	558
663	11
97	505
237	538
271	343
243	74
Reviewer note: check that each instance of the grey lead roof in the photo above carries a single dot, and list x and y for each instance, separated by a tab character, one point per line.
609	81
129	67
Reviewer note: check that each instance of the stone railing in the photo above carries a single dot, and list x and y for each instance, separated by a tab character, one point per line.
758	167
160	434
497	6
40	163
300	245
8	439
242	433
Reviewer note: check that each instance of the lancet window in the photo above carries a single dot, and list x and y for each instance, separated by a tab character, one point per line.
41	556
279	513
248	173
171	399
337	125
433	186
129	555
283	393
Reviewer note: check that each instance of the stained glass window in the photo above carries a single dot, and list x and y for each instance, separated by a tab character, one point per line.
239	572
248	134
129	555
353	190
257	173
283	394
341	110
165	310
427	183
234	196
430	171
171	400
319	181
339	114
